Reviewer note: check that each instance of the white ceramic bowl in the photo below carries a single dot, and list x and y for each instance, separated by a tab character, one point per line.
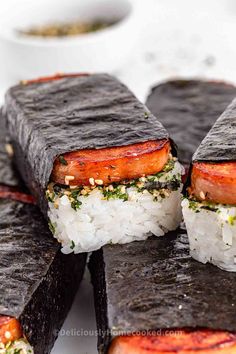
30	56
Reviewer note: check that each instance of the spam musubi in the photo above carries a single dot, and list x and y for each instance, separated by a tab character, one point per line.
37	282
210	207
101	166
153	297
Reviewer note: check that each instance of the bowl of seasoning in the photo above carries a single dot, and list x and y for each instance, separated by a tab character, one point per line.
44	37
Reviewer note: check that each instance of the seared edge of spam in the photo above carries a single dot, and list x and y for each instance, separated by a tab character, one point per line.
48	119
199	341
111	165
188	109
156	284
37	282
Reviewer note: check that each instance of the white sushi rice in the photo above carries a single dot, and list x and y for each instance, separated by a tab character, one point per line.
20	346
212	234
99	221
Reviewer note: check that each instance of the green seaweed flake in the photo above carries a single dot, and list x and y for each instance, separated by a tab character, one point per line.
209	207
50	196
72	245
231	220
14	351
167	168
62	160
76	204
193	206
75	193
52	227
116	193
196	206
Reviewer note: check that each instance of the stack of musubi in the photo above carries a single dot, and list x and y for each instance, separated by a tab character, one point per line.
101	166
210	207
164	309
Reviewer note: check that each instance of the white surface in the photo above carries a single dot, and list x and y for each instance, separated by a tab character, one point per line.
32	56
78	333
178	38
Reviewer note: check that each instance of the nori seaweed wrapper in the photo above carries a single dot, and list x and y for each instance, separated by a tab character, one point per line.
220	143
8	174
155	284
188	109
37	282
48	119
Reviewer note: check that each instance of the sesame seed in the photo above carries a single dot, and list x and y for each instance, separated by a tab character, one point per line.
180	307
122	189
202	195
99	181
68	179
166	193
9	149
7	335
142	179
23	82
91	181
84	192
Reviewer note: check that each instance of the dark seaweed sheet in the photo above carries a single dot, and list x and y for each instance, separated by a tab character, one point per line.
188	109
220	142
37	282
48	119
155	283
8	175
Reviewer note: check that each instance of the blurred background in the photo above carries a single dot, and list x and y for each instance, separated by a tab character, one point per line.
142	42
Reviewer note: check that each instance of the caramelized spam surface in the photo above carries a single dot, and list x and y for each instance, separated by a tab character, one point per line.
52	78
10	329
111	164
180	342
214	182
15	194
